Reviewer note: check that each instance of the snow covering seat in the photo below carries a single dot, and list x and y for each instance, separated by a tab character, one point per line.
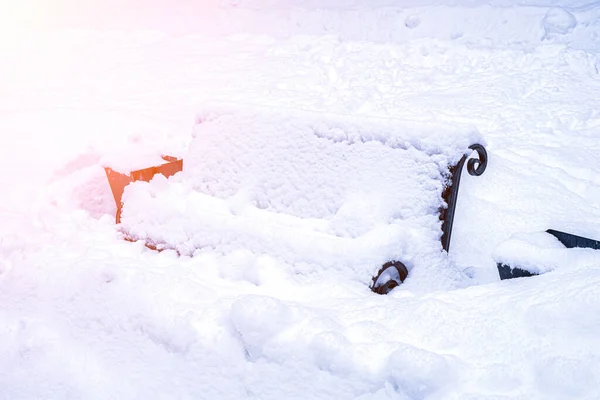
319	193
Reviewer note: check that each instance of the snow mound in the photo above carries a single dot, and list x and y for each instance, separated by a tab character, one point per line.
318	192
559	21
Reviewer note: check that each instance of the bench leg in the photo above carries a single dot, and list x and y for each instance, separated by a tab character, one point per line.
475	167
391	274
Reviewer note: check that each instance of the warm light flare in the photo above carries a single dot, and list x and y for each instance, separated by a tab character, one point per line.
18	17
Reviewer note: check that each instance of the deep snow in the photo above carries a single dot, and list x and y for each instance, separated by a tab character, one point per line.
324	195
84	314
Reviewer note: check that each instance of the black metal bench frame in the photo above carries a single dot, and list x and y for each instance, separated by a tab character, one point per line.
568	240
475	167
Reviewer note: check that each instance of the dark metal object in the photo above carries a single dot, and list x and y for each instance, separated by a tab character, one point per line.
567	239
391	274
507	272
475	167
570	241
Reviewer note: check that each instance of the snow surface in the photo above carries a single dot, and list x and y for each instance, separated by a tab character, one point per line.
84	314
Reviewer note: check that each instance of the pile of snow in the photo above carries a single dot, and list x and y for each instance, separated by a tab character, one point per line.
318	192
558	21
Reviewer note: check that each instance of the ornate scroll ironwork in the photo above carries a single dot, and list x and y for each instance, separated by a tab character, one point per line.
393	273
475	167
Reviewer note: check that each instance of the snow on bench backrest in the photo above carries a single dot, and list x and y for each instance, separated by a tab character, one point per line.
322	191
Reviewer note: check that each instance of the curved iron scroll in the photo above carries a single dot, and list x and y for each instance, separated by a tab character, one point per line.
475	167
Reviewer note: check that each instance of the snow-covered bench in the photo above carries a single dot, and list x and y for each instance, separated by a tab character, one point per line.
321	193
535	253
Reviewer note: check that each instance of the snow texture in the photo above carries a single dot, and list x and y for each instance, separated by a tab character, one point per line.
87	315
559	21
331	194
